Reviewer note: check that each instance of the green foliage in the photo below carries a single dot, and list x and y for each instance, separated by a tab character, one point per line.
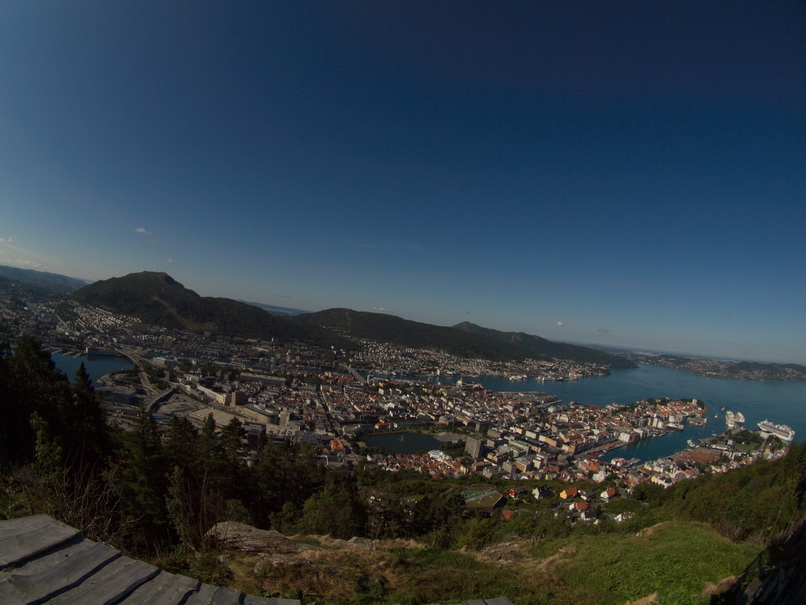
209	569
475	533
336	510
47	451
757	500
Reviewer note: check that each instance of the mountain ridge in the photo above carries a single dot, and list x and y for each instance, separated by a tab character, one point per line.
542	346
463	339
157	298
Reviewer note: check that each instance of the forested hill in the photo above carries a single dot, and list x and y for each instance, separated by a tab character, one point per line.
158	299
538	346
465	340
38	283
404	332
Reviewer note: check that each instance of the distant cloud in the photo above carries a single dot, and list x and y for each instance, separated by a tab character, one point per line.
170	260
382	310
560	324
143	231
19	256
603	330
29	264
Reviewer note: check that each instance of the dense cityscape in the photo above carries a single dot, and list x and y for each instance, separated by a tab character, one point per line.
364	442
333	399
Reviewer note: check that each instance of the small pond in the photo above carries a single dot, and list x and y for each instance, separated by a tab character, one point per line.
402	443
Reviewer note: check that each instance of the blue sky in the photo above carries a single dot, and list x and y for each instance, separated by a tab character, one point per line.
622	173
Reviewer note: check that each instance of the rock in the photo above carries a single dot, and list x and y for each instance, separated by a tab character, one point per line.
720	587
246	538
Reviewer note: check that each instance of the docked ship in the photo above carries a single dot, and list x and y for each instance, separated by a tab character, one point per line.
100	352
782	431
734	420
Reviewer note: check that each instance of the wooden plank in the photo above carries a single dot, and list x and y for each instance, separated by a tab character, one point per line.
226	596
203	596
252	600
117	585
22	541
498	601
40	586
22	525
165	589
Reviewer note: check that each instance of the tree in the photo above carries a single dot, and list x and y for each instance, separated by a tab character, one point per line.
194	508
335	510
142	485
29	382
181	444
85	424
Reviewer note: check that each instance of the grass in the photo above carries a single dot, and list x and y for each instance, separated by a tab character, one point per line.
675	560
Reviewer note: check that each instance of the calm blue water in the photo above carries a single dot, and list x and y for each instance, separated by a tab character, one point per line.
95	366
783	402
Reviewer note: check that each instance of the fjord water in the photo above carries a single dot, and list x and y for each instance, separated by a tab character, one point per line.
778	401
96	366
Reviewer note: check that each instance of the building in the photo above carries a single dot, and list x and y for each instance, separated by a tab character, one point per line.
473	447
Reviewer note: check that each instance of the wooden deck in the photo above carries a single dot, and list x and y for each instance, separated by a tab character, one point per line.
45	561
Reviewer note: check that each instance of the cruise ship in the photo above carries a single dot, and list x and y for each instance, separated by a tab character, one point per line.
734	420
782	431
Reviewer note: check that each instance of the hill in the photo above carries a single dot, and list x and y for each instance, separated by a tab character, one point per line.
464	340
158	299
37	283
404	332
538	346
274	310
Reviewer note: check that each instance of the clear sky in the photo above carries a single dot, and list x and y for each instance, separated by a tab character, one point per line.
622	173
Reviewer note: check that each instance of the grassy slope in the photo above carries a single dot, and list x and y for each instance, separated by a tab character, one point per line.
676	560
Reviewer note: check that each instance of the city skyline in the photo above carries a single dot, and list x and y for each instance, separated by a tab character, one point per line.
619	175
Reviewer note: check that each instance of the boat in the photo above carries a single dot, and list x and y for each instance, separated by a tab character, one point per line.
100	352
782	431
734	420
691	443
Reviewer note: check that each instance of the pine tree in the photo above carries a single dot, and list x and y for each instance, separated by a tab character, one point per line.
181	445
143	483
87	440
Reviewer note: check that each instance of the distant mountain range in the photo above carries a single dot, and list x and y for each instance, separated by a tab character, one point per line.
382	327
539	346
158	299
284	311
464	339
38	282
